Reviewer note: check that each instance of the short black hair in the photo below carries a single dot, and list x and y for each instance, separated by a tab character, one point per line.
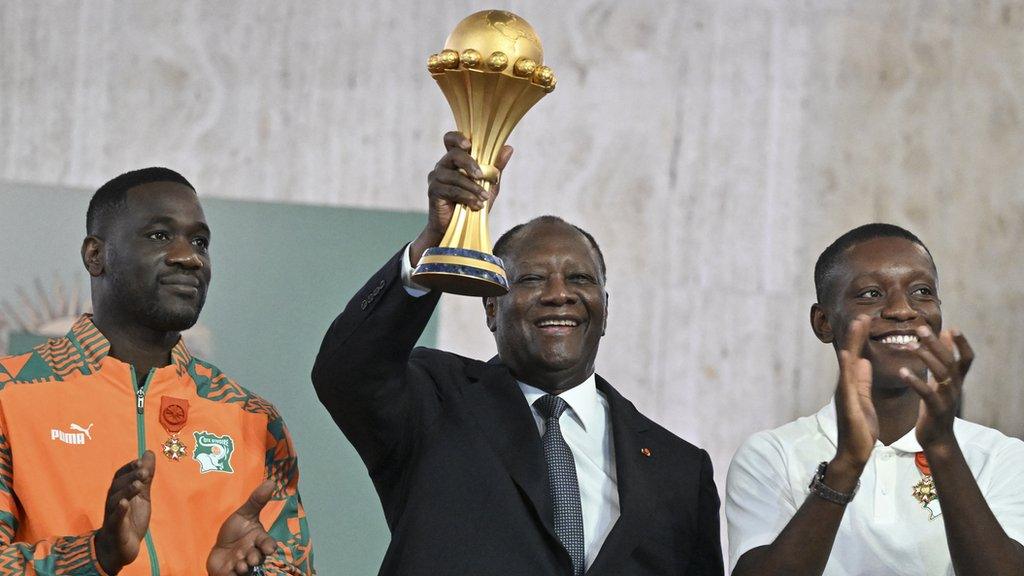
828	261
504	244
110	197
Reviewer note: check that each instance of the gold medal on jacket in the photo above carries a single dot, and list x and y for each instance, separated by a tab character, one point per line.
173	416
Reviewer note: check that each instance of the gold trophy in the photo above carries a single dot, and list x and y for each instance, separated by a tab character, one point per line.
491	71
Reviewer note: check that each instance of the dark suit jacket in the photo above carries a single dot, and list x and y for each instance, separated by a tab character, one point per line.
454	453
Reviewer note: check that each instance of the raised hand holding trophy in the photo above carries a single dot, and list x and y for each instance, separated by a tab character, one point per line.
491	72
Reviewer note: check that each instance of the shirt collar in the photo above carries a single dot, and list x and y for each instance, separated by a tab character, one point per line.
583	400
827	424
94	346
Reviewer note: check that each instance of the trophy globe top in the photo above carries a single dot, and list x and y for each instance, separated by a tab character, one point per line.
491	32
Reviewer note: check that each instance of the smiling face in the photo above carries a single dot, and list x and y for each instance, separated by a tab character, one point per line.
548	327
892	280
156	264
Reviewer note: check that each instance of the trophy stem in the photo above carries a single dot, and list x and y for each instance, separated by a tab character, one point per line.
485	233
468	229
455	227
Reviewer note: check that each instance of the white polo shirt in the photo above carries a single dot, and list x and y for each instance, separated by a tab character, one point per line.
884	530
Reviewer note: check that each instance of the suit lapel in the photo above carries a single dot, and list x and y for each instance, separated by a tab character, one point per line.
632	476
507	422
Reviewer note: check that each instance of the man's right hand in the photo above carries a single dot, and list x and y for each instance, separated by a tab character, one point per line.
855	411
447	186
126	514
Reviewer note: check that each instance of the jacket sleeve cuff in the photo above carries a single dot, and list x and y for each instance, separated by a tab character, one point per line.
94	560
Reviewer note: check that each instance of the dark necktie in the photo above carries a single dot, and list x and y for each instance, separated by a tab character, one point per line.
564	488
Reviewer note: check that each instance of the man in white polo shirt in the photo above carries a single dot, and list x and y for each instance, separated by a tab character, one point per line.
885	479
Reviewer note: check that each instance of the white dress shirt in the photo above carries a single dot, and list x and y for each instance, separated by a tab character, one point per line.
412	288
587	428
884	530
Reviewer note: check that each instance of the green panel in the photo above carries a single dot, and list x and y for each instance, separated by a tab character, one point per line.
281	273
35	369
19	342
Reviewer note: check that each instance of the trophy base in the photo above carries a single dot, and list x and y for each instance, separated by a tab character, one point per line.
461	271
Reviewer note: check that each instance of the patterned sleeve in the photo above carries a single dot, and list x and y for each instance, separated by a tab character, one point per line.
57	556
284	516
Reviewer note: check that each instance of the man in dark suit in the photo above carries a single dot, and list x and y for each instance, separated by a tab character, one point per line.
529	464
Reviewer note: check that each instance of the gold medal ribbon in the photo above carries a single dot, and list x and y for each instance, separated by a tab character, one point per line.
924	490
173	416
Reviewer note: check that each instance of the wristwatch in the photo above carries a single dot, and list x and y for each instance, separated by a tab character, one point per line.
821	490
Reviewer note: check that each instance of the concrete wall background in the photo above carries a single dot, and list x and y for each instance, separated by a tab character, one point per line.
713	148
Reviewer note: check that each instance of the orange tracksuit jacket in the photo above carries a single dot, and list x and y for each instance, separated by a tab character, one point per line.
70	416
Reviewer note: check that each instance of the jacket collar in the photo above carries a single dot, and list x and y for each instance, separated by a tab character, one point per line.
583	400
94	347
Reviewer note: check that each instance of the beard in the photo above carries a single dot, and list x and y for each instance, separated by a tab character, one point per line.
177	319
144	305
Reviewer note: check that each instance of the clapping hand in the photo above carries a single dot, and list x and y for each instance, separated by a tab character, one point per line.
243	543
948	358
126	514
855	412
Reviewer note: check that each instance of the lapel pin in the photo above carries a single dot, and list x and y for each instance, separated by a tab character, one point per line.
646	452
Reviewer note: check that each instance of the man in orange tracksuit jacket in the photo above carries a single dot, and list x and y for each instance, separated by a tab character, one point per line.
211	480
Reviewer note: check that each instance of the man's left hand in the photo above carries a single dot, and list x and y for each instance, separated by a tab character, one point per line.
948	358
242	543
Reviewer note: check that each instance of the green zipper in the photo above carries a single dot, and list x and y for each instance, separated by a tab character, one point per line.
140	422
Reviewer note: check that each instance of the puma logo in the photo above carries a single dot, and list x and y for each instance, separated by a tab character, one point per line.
78	437
83	430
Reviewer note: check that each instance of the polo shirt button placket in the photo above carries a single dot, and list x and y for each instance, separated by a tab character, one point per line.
886	465
886	456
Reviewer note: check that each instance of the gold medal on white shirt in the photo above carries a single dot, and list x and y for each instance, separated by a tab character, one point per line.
924	490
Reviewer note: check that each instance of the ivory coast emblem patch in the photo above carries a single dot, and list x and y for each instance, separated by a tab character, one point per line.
213	452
